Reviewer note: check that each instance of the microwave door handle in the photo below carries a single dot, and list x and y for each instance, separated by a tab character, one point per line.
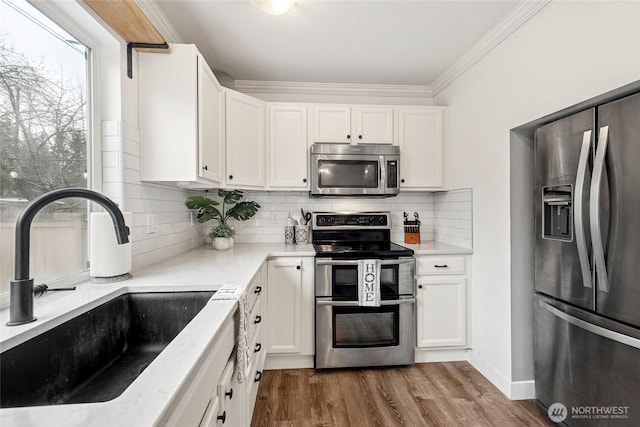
383	175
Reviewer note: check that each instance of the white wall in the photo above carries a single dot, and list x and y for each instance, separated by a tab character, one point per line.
567	53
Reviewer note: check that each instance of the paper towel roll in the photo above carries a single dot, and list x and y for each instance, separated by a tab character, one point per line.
106	257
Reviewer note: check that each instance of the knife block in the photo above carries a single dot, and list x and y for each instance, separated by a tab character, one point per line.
412	232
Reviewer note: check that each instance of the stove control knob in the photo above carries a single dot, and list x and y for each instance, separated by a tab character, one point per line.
382	220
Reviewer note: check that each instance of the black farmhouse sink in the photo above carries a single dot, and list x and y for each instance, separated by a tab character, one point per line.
95	356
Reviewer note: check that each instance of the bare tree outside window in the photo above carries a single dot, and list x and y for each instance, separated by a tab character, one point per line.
43	139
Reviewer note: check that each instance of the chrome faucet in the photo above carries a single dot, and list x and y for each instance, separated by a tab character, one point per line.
22	289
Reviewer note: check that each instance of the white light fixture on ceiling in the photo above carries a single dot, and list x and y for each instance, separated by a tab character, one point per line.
275	7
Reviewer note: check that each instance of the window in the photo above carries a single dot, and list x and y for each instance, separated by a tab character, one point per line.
43	140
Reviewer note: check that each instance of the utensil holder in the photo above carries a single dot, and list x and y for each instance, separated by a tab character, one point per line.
412	232
302	233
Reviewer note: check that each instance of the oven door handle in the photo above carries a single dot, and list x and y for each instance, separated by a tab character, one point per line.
329	261
355	303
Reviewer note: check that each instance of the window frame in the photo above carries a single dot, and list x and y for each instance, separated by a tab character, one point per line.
71	17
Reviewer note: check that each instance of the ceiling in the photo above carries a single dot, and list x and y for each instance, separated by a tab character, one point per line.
334	42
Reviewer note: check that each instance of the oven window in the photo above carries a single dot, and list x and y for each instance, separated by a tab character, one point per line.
365	327
348	174
345	282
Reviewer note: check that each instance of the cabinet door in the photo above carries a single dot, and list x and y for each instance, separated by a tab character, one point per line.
441	308
245	147
210	125
230	394
290	302
332	123
288	147
374	125
421	141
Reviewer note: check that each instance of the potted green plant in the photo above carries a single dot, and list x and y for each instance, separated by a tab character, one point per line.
206	210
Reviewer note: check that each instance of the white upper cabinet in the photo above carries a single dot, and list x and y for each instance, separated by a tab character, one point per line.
357	124
332	123
373	125
421	141
210	113
288	147
181	119
245	141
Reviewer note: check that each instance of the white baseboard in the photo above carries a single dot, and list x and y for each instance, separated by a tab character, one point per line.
441	355
276	361
514	390
523	390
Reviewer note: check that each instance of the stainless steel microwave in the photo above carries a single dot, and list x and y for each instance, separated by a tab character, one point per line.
354	170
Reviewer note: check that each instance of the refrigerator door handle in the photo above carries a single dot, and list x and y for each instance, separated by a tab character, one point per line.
594	211
583	254
590	327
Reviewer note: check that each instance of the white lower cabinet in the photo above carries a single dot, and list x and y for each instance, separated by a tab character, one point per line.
199	403
290	310
230	397
441	297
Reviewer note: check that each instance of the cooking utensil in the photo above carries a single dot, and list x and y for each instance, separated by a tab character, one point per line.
306	217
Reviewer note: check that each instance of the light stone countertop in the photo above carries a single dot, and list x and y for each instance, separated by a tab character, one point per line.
145	401
437	248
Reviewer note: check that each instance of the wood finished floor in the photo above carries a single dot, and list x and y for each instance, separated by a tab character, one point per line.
426	394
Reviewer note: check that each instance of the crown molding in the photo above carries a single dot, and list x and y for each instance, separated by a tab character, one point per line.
334	89
524	11
159	20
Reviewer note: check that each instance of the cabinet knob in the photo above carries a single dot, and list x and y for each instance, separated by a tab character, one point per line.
230	176
257	348
257	290
205	167
298	267
359	136
223	417
229	394
419	286
402	181
348	136
304	179
257	320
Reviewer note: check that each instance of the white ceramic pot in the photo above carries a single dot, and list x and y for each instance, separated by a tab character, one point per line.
222	243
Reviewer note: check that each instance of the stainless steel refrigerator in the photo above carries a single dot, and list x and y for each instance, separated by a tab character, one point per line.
587	265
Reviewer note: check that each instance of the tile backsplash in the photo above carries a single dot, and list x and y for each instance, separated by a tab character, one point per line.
445	216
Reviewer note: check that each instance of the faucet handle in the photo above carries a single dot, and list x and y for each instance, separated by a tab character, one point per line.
40	290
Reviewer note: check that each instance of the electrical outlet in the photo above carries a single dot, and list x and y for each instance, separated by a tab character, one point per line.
191	218
152	225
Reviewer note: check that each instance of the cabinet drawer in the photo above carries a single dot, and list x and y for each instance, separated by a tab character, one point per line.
254	292
440	265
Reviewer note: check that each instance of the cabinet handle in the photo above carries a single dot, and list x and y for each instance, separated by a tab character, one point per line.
257	320
359	136
258	290
348	136
441	266
229	394
258	347
298	267
223	417
402	181
304	179
230	176
419	286
257	377
205	167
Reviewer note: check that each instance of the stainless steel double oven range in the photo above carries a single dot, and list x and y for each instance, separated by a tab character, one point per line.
347	334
